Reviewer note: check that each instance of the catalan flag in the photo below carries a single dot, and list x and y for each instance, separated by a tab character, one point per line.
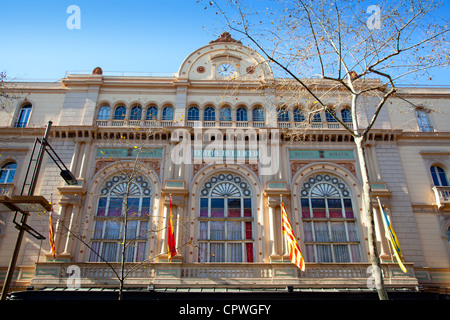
51	233
390	235
171	238
294	249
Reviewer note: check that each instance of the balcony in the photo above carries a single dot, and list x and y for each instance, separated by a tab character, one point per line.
221	124
196	275
134	123
442	195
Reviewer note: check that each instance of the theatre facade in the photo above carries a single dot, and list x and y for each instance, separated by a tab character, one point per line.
213	150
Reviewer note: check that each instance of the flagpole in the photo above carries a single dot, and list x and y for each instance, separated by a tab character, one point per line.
282	233
52	230
169	236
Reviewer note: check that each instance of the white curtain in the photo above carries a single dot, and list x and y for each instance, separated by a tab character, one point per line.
234	231
217	252
321	231
341	253
324	253
109	251
112	230
338	233
217	230
203	230
234	252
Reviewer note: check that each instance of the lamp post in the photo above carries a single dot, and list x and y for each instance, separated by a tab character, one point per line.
27	204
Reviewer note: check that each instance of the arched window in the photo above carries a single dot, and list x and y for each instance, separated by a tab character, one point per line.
120	112
167	113
225	220
209	114
439	176
329	222
152	113
225	114
108	234
329	117
298	115
283	114
346	115
136	113
24	115
423	120
241	114
103	113
316	117
7	172
193	114
258	114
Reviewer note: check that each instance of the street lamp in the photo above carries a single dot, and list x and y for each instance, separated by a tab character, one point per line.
24	204
30	203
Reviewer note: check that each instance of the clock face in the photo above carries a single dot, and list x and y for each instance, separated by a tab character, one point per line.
225	69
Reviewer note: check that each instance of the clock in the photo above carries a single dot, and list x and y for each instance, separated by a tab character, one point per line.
225	69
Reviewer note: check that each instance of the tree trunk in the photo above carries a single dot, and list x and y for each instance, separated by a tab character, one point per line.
367	203
124	239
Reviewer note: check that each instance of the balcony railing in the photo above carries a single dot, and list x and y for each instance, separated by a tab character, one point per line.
134	123
442	195
220	124
55	274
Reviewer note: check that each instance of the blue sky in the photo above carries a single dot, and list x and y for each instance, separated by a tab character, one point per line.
116	35
131	35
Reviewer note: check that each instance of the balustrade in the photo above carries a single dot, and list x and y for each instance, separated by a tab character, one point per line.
196	274
221	124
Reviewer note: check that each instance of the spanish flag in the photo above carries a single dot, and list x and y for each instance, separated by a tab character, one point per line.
294	249
171	238
390	235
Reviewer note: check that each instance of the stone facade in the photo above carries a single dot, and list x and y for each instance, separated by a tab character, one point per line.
97	147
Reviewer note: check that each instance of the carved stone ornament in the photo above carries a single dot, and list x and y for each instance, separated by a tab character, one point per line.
225	37
97	70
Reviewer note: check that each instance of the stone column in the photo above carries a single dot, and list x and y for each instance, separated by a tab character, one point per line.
85	160
58	229
74	162
71	208
272	234
71	211
163	251
177	227
384	248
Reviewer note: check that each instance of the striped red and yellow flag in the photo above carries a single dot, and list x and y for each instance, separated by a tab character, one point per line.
171	237
294	249
51	234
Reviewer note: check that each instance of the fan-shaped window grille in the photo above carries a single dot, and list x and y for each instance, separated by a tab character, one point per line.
122	195
225	220
329	223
